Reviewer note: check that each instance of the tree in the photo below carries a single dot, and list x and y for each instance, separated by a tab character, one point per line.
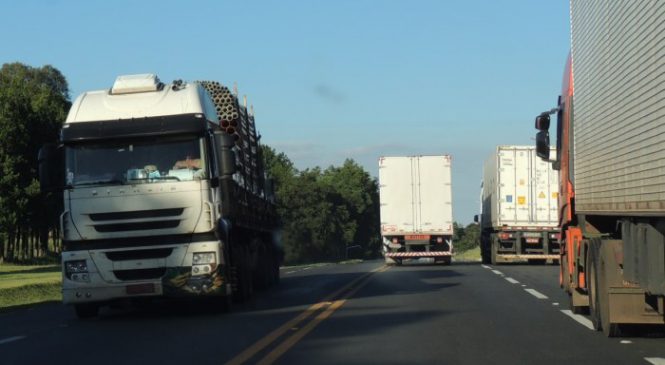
33	106
324	213
466	238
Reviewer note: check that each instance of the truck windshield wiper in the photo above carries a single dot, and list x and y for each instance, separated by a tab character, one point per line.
100	182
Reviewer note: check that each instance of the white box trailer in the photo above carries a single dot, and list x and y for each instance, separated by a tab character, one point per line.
416	207
519	206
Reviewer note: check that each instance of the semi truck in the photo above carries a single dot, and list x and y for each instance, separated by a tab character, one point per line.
610	152
165	195
518	218
415	194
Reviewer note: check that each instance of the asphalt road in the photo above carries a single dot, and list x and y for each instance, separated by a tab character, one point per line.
342	314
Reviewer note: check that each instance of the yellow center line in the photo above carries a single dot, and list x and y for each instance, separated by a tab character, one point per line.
258	346
292	340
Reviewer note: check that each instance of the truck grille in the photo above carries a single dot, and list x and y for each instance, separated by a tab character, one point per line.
157	253
139	274
137	214
139	226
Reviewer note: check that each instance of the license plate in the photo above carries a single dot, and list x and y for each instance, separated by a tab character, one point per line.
417	237
532	240
140	288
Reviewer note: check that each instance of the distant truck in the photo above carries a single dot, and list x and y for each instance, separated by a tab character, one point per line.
164	195
610	152
519	207
416	208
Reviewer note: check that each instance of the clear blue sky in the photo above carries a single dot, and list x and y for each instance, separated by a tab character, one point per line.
329	79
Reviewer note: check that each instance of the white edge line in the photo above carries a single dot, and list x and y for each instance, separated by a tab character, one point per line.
11	339
497	272
512	281
655	360
579	319
289	272
536	293
485	267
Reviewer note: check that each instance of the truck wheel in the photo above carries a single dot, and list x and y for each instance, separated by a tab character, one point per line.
592	277
86	310
536	261
244	287
493	251
484	257
275	270
262	278
609	329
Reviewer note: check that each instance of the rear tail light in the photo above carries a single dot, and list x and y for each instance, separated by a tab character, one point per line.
439	240
505	235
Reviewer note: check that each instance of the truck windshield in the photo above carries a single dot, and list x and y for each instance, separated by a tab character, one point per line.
137	161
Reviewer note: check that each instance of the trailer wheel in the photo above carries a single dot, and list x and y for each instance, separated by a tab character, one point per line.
86	310
494	248
485	251
609	329
592	284
244	287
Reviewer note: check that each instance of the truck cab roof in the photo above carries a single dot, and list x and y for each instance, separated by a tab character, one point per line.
141	96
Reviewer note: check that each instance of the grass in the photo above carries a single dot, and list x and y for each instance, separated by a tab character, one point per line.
469	255
22	285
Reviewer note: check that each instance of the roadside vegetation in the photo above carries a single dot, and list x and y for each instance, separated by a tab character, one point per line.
22	285
466	241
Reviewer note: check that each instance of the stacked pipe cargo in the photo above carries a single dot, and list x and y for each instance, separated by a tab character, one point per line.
237	121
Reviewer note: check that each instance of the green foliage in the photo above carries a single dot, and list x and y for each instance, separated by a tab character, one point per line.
33	106
466	238
327	214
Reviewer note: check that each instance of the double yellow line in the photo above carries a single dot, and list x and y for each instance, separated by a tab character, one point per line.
324	308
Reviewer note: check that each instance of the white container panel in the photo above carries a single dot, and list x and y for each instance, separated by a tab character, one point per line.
523	188
416	195
396	195
519	189
435	194
618	48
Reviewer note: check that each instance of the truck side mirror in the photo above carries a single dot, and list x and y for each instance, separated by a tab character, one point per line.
543	122
543	145
227	156
51	168
475	218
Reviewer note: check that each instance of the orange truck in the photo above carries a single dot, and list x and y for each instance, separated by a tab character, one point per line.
610	152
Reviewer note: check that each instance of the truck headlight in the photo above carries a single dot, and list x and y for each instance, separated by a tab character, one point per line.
203	263
77	270
203	258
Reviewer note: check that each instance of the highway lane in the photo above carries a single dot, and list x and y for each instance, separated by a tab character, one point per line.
355	314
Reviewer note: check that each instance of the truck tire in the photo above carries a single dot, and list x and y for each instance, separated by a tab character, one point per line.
493	249
609	329
484	254
536	261
86	310
244	287
592	284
